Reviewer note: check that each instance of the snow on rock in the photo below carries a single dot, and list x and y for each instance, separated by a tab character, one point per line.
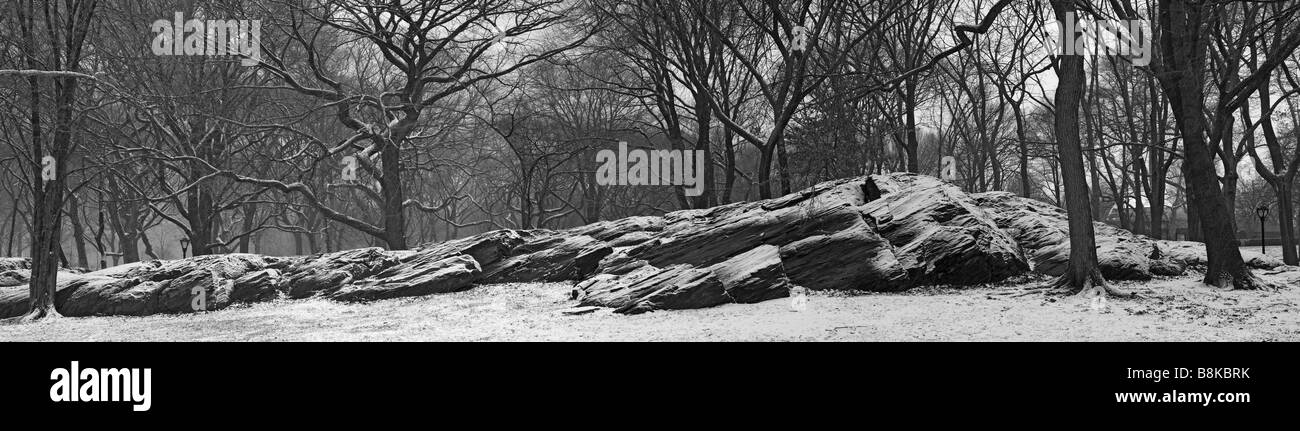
1192	253
14	263
1042	231
878	233
753	276
939	233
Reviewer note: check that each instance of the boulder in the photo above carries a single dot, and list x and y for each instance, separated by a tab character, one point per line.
13	301
326	273
486	248
939	234
823	236
705	237
256	286
15	263
547	256
749	277
414	277
753	276
611	231
14	278
1167	267
144	288
845	253
1191	253
1042	232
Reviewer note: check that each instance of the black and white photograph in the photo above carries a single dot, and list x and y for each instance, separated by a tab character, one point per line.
390	171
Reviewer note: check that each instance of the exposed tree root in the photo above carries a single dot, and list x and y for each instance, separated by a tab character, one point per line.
40	314
1091	285
1243	280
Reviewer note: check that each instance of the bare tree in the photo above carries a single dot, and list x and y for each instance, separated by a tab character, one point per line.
1183	44
53	36
432	50
1082	273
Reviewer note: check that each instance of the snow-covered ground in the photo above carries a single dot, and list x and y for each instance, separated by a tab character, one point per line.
1177	309
1272	250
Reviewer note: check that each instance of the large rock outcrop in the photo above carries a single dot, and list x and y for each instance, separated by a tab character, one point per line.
825	239
880	233
146	288
1042	231
752	276
941	234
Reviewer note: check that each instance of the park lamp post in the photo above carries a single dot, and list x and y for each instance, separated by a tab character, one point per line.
1262	212
185	246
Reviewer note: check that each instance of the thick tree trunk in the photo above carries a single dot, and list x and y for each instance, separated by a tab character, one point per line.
199	206
45	214
526	203
47	224
1286	221
1230	176
784	160
394	198
1183	47
1082	273
765	171
1194	232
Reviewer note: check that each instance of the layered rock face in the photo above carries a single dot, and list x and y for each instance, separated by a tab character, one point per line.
879	233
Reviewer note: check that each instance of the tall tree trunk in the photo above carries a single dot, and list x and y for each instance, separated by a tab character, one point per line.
1183	44
1082	273
703	115
1093	144
1025	188
1286	222
78	231
913	145
1136	148
1156	162
784	160
47	208
394	198
1194	232
250	213
729	183
47	224
765	171
127	245
45	214
1229	181
13	227
198	209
